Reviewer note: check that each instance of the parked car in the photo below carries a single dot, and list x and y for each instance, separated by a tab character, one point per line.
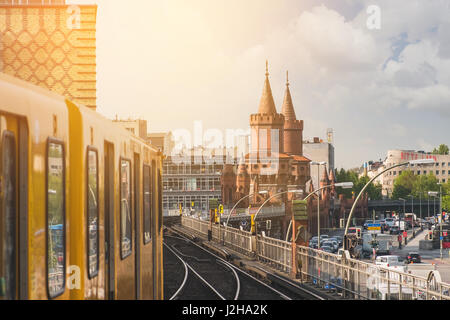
389	222
327	248
413	257
387	261
394	230
340	239
366	223
333	244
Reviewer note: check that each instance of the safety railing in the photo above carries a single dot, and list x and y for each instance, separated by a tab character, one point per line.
236	239
277	253
361	280
195	224
353	279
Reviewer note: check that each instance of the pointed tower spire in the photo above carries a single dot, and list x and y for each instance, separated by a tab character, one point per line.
332	178
288	108
266	104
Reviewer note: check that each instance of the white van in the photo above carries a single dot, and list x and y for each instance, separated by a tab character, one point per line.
387	261
389	221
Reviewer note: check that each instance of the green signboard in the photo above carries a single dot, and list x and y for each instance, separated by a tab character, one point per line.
300	209
213	204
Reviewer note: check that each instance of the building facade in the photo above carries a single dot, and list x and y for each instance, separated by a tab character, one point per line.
440	168
190	180
52	45
136	127
318	150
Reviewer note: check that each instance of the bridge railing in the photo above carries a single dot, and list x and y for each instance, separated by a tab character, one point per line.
362	280
352	278
236	239
277	253
195	224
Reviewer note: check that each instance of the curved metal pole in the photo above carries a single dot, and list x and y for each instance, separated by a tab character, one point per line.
362	191
306	198
231	211
260	208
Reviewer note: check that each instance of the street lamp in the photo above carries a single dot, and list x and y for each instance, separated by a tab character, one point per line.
404	212
270	198
318	164
345	185
247	196
421	161
440	215
412	211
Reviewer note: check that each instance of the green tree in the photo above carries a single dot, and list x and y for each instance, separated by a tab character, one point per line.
442	149
425	183
404	184
446	197
373	190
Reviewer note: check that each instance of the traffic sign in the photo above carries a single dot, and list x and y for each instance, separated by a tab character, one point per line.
444	233
374	227
441	238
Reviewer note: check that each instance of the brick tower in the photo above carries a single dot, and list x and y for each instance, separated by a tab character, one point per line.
293	128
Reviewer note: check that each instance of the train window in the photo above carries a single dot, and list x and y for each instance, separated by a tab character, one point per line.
55	219
125	208
9	208
92	211
147	204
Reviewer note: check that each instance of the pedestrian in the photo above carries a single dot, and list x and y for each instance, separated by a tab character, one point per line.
399	238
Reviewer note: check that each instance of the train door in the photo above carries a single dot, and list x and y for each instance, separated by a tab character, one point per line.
13	209
137	218
109	220
155	232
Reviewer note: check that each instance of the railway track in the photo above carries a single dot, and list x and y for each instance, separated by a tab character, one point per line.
209	277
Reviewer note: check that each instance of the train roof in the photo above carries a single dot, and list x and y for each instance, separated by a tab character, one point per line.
59	98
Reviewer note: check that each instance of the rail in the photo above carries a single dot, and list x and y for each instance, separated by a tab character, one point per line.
353	279
277	253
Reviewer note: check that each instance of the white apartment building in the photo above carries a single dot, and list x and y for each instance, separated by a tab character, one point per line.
440	168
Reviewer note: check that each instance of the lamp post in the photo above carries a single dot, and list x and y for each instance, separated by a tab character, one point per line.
270	198
404	211
440	215
434	194
345	185
318	164
413	215
421	161
240	200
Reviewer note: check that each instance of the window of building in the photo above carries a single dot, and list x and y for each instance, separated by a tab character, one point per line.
56	253
147	203
395	173
418	172
437	172
92	214
125	208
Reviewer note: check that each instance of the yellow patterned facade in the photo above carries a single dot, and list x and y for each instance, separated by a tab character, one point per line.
52	46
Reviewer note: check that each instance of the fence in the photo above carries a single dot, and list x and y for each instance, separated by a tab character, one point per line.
277	253
351	278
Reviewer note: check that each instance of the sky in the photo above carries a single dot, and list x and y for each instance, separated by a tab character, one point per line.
378	76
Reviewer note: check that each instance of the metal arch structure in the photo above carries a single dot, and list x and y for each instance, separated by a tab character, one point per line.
234	207
360	194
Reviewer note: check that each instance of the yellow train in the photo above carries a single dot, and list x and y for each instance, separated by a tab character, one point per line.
80	199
